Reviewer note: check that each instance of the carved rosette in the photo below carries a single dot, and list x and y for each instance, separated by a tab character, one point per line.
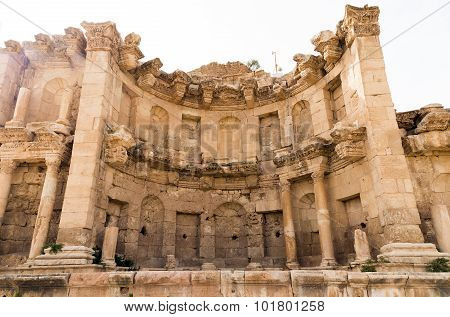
147	73
309	69
349	142
7	166
102	37
117	145
179	85
359	22
130	54
327	44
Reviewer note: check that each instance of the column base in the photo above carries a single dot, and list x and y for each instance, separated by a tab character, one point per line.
254	266
14	124
69	255
328	262
416	253
292	265
208	266
109	263
171	262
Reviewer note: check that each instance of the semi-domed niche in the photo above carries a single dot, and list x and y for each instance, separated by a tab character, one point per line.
158	129
52	95
231	244
150	239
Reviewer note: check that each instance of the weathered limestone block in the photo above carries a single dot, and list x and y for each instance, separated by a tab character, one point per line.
308	284
327	44
308	70
69	255
206	283
336	282
179	84
441	223
362	248
263	283
148	72
101	284
117	144
162	283
387	284
357	284
28	285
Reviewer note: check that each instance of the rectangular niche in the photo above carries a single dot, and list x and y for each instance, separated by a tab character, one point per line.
187	238
190	138
337	100
357	218
273	235
269	135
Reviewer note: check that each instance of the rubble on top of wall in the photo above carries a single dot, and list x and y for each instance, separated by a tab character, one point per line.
425	130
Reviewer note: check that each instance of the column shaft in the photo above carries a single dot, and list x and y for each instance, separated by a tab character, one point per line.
110	245
20	111
289	232
45	210
323	220
64	107
6	171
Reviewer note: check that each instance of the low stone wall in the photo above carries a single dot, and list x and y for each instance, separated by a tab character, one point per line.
227	283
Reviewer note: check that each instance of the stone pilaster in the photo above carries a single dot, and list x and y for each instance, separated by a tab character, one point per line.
42	224
77	216
7	168
288	223
323	219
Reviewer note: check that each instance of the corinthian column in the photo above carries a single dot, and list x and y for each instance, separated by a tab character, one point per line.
6	170
289	232
323	219
46	204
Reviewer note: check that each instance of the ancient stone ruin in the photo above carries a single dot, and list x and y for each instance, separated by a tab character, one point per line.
221	180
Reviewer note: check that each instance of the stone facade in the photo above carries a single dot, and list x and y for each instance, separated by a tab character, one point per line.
217	168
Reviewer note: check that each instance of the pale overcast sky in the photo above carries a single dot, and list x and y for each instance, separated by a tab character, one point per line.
186	34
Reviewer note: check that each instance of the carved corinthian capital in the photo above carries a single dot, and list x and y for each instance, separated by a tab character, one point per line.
318	176
7	166
285	185
130	52
327	44
53	163
102	37
359	22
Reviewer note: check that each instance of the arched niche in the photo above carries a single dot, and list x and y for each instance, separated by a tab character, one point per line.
52	97
159	127
229	140
150	240
301	122
231	243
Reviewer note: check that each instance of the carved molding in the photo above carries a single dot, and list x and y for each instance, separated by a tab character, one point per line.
327	44
130	54
359	22
117	145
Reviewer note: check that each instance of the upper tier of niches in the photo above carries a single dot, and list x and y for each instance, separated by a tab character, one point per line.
230	86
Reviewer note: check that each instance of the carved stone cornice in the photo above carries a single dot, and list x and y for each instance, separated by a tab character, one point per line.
308	70
15	50
179	84
434	118
148	72
248	89
407	120
130	54
7	166
349	142
75	41
284	185
117	145
359	22
46	50
316	147
208	87
327	44
102	37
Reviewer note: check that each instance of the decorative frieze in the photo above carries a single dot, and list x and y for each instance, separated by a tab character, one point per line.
179	84
148	72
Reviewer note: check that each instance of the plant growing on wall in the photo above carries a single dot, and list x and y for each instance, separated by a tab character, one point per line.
53	246
368	266
438	265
